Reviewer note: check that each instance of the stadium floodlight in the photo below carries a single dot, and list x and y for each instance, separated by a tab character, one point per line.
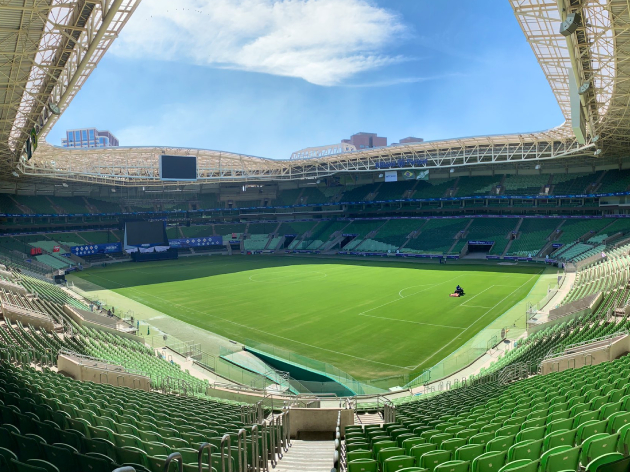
15	174
64	185
113	190
54	108
595	138
452	170
584	88
537	167
598	152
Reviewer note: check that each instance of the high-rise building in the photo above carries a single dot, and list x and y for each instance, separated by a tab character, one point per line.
366	140
88	137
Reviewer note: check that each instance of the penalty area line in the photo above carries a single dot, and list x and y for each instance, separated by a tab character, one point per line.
474	322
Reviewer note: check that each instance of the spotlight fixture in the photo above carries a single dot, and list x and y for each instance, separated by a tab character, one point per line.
537	167
452	170
64	185
54	108
15	174
113	190
598	152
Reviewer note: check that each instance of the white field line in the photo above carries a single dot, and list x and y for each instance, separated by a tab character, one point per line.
183	308
474	322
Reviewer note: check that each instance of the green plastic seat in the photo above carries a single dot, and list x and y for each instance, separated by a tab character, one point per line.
598	445
589	429
357	447
529	449
559	438
360	454
502	443
452	444
376	448
453	466
362	465
600	461
411	442
395	463
388	452
489	462
420	449
469	452
133	455
522	465
481	438
561	458
535	433
432	459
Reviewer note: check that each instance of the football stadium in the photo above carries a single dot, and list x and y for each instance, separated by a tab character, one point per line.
460	305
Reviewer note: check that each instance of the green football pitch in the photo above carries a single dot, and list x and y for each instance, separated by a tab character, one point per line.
370	318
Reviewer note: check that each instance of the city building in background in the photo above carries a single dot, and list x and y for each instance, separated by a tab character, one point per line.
411	140
366	141
88	138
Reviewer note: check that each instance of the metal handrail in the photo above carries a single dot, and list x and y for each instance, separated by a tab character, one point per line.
242	449
174	456
255	451
552	355
202	448
226	439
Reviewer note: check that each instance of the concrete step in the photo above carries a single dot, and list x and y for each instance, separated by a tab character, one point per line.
368	418
307	456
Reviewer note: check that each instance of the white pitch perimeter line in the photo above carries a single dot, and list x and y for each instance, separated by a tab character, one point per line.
413	286
473	323
470	299
184	308
414	322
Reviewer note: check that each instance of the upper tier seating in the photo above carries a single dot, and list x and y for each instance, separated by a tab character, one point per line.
572	184
533	236
358	194
574	229
432	188
478	185
313	195
494	229
436	236
394	190
614	181
296	227
104	206
262	228
39	205
393	234
524	184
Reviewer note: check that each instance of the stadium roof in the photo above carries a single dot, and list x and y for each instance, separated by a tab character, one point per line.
597	54
48	49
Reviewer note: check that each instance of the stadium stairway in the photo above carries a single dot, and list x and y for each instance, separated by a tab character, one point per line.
307	456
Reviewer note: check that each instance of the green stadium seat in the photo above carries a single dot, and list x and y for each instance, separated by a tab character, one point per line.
595	464
363	465
431	459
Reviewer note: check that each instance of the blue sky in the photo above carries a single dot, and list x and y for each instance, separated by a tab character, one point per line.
269	77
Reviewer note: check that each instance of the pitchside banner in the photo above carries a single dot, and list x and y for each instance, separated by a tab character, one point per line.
89	249
197	242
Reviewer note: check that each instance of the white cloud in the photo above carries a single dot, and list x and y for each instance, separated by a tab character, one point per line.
321	41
